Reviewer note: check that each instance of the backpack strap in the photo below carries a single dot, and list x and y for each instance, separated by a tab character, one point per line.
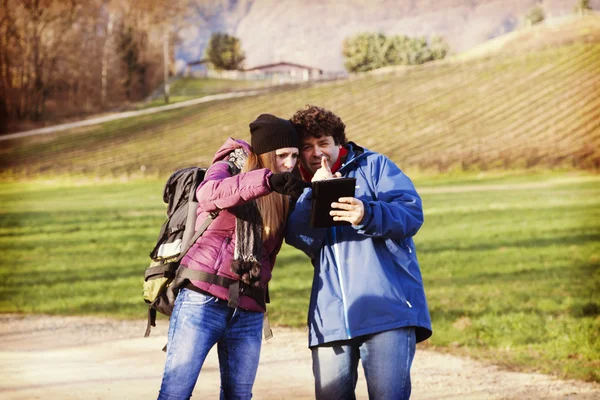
267	331
151	321
192	274
235	286
211	217
164	270
259	295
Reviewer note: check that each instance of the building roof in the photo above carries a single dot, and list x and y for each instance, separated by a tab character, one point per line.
283	63
197	62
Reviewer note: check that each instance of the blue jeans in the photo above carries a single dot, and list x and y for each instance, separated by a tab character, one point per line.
386	359
198	323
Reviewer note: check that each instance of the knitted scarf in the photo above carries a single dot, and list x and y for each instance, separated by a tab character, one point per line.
248	234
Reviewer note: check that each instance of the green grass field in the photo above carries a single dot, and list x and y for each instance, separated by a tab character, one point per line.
510	264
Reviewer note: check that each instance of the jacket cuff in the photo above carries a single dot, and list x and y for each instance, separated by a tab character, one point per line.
268	180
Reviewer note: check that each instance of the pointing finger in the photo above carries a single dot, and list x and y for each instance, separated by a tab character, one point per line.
325	164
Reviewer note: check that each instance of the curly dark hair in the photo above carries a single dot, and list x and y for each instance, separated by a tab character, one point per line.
317	122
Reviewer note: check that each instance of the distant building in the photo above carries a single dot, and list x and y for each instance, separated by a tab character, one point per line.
278	73
285	71
196	68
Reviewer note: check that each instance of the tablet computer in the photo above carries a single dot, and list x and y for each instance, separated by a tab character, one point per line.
326	192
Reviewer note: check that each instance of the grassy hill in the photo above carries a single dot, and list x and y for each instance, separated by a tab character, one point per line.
187	88
311	32
514	110
570	29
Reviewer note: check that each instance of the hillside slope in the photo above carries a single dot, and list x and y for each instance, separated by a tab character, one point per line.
311	32
560	32
536	108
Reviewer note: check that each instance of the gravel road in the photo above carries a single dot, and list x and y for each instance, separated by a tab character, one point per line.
63	358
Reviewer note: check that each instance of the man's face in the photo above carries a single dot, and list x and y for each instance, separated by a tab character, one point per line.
314	148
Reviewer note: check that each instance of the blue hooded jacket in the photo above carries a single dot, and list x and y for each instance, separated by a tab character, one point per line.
366	278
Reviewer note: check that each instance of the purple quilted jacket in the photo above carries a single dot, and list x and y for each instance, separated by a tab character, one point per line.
213	251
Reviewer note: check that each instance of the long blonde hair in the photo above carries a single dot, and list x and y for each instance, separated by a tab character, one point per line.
273	207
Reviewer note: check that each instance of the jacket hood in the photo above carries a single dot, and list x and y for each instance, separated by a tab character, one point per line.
230	145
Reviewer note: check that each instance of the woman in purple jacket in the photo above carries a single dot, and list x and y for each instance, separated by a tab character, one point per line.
237	252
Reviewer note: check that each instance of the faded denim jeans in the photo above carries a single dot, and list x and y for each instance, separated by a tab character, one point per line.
199	322
386	359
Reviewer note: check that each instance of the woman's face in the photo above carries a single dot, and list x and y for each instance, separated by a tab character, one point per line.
286	159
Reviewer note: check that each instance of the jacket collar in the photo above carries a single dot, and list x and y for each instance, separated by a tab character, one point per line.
355	154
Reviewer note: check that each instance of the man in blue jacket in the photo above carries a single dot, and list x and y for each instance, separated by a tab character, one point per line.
367	299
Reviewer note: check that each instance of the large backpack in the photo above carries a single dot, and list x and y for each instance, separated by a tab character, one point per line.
164	277
174	239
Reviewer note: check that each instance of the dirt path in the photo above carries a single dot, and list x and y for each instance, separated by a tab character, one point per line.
128	114
87	358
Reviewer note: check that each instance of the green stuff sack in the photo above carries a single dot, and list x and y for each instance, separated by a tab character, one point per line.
157	281
153	287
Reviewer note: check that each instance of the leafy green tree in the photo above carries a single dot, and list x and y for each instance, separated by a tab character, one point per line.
400	50
409	51
582	7
366	51
439	47
413	51
225	52
535	16
420	52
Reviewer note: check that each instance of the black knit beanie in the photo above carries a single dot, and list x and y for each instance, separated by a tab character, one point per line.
271	133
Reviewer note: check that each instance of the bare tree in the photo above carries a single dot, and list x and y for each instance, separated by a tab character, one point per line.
106	50
47	23
9	40
62	57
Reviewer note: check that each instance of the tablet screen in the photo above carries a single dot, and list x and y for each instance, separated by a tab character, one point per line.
326	192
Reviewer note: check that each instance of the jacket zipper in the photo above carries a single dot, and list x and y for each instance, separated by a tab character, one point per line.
336	256
407	244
